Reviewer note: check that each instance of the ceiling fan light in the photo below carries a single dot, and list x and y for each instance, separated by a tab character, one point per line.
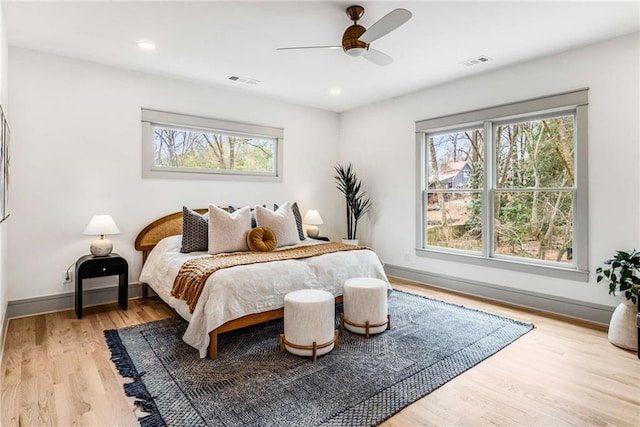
356	51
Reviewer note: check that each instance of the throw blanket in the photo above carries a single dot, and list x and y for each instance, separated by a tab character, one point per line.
194	273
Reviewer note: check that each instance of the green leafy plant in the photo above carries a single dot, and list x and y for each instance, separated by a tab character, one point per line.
623	274
357	201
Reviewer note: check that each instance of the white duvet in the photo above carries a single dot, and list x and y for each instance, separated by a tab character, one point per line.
234	292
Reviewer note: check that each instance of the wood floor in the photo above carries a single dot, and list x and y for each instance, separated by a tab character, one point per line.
56	371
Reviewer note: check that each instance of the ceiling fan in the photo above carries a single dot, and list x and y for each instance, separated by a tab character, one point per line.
356	39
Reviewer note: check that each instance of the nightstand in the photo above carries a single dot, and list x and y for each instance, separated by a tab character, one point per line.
90	266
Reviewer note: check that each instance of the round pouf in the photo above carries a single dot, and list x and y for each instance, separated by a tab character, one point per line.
365	306
309	323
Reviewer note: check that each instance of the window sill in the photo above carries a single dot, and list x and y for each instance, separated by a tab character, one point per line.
559	272
151	173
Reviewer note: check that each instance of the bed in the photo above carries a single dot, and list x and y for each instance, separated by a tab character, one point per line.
245	295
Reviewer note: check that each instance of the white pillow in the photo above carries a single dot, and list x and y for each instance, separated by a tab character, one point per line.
228	232
281	222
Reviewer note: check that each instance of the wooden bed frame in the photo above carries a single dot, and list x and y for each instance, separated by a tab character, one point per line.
171	225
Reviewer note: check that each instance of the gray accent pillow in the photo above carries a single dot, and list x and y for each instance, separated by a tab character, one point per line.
254	224
297	216
195	231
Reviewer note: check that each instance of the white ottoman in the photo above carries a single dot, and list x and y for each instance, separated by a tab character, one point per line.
309	323
365	306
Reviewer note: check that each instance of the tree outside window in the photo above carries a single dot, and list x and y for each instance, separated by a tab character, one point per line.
179	148
454	195
534	189
527	192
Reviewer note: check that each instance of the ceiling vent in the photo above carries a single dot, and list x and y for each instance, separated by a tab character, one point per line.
475	61
246	80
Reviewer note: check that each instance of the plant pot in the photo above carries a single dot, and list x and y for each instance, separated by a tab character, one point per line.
623	331
350	241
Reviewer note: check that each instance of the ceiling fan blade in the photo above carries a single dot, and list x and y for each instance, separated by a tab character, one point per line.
309	47
377	57
386	24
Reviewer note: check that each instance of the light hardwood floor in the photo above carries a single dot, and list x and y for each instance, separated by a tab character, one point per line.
56	371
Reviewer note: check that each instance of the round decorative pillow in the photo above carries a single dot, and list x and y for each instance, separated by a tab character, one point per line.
261	239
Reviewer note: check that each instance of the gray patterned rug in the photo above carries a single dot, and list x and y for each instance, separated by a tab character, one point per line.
252	383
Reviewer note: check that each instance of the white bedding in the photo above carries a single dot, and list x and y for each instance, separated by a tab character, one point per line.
234	292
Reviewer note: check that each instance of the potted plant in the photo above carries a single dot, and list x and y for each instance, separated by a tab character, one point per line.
622	274
356	200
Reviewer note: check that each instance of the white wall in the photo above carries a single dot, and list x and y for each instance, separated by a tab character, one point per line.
77	152
4	225
380	140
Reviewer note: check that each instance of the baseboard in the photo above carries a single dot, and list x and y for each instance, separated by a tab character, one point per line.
66	301
595	313
577	309
5	328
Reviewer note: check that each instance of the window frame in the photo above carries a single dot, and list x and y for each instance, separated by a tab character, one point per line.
575	102
151	118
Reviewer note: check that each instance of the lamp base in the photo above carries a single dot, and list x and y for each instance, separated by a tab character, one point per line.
313	231
101	247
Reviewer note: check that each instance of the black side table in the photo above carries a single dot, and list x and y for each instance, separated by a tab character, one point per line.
90	266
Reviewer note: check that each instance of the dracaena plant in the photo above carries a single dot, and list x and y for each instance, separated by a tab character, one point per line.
622	274
357	201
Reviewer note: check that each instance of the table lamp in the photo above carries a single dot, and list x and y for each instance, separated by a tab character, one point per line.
99	226
312	219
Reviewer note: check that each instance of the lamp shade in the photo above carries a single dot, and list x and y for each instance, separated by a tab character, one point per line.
313	218
101	225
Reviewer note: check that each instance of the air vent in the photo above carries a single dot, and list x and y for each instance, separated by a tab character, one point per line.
475	61
246	80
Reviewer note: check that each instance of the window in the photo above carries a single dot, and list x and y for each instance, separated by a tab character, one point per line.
181	146
507	186
454	189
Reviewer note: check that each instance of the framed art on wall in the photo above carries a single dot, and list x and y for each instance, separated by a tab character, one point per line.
4	166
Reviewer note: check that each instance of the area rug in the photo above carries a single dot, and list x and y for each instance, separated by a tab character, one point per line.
252	383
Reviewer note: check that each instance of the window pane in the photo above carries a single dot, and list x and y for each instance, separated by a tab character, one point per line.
535	225
455	160
454	220
536	153
181	148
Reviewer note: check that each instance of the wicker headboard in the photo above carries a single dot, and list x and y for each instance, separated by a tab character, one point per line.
168	225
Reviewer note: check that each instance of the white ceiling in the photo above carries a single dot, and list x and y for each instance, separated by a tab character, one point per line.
210	41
